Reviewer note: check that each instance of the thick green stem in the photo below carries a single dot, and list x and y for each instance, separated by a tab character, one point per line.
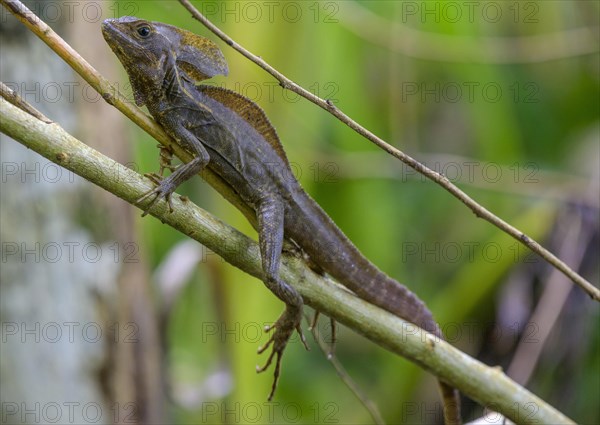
489	386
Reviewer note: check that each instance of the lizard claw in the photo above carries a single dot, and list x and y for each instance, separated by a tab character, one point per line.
284	328
313	326
164	189
155	177
302	339
165	159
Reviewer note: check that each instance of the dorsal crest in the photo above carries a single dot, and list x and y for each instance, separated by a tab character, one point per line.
250	112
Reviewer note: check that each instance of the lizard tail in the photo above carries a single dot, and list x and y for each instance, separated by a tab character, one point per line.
451	401
336	255
399	300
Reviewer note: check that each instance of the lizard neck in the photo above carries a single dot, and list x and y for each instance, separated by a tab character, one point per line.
161	85
173	88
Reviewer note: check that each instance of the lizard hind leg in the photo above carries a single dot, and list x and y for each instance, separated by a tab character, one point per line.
270	214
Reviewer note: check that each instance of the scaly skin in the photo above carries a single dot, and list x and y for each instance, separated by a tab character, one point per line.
232	136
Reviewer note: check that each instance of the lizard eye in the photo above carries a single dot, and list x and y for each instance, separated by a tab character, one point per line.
144	31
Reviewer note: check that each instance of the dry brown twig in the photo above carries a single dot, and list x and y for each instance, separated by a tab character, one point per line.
438	178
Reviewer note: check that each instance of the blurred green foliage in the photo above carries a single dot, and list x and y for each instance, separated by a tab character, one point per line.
472	102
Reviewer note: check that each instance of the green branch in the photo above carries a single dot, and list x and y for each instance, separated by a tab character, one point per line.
489	386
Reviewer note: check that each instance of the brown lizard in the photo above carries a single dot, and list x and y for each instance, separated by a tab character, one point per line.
232	136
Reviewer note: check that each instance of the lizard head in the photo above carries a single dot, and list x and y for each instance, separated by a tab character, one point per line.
146	48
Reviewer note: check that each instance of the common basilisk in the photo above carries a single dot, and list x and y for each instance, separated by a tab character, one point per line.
232	136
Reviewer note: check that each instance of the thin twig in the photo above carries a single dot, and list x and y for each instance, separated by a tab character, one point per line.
347	379
14	98
477	209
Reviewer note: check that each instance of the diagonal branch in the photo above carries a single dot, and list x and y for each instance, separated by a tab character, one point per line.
489	386
438	178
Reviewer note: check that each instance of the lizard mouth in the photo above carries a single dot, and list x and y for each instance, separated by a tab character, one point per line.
115	36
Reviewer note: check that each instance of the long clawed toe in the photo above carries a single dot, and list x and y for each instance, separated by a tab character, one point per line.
267	345
302	339
157	192
275	373
155	177
165	159
313	326
284	328
148	194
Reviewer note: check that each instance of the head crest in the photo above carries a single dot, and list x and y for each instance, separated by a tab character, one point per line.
199	57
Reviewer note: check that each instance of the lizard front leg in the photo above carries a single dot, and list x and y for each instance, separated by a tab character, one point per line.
165	187
270	214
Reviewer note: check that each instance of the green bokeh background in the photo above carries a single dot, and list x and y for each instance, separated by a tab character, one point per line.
533	121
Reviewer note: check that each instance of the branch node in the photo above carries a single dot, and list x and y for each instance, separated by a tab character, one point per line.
109	98
525	239
430	342
62	157
330	105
